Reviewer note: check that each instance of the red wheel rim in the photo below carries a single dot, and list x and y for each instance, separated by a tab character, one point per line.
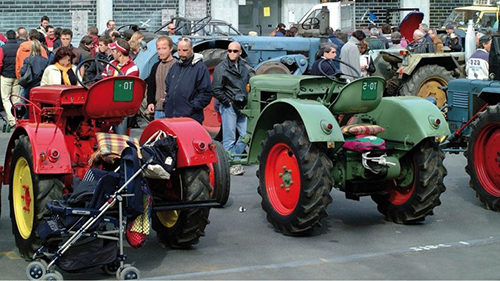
487	158
282	179
401	189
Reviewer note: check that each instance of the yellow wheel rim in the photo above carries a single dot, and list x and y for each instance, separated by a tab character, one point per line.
168	218
23	198
430	88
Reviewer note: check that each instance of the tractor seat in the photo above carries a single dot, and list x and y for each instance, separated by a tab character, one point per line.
114	97
360	96
361	129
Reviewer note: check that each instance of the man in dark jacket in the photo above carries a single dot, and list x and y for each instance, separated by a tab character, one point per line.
328	52
230	79
93	73
188	85
66	37
8	84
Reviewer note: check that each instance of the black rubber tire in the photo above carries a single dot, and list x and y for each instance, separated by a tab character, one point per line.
191	223
212	57
419	77
222	176
488	116
427	161
315	180
45	189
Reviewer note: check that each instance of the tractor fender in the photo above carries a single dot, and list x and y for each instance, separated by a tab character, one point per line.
314	115
446	60
44	138
408	120
189	135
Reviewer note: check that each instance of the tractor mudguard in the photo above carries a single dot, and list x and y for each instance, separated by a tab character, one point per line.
408	120
447	60
45	139
193	140
314	115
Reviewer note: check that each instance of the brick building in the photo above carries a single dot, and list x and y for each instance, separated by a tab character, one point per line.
246	14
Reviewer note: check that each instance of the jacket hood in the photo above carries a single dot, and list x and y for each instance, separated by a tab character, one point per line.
25	47
197	58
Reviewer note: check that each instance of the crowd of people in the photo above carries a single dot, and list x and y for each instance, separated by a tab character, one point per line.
182	88
356	61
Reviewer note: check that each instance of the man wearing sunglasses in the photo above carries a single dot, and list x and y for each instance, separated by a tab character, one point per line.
230	79
188	85
171	29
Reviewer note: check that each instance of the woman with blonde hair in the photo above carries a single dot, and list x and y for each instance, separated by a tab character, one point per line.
37	63
135	44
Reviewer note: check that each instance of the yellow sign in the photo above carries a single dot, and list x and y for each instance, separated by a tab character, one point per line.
267	12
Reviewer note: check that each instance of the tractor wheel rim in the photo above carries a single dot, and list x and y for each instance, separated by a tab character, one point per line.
282	179
168	218
430	88
401	189
487	158
23	198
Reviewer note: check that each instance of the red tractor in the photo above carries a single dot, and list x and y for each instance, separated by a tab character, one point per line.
58	143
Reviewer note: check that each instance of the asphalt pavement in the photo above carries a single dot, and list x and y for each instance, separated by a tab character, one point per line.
460	241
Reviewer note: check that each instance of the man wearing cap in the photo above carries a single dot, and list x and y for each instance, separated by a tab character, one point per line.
396	40
452	38
121	60
187	85
477	65
126	65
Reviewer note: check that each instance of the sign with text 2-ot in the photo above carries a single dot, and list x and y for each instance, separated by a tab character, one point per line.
123	90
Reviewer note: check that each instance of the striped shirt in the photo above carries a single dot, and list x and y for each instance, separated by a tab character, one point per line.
129	69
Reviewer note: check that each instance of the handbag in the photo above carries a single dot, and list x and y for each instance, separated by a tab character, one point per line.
27	78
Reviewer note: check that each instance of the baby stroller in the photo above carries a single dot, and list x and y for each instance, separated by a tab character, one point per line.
84	229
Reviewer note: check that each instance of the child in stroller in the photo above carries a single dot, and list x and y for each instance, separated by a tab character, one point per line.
83	233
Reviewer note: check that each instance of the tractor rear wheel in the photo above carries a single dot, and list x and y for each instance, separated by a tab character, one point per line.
415	194
425	82
294	180
181	229
221	176
483	157
29	193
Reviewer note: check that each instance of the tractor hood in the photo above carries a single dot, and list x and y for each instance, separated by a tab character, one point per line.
410	23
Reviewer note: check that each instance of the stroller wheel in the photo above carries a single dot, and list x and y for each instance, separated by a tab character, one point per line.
36	269
53	276
128	272
111	268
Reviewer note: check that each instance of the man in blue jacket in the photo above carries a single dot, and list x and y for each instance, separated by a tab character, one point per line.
188	85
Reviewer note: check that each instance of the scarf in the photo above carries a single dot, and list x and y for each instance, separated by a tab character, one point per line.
64	71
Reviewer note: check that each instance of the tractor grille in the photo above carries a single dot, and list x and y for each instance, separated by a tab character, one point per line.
460	100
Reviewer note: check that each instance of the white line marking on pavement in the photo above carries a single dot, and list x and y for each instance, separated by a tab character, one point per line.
319	261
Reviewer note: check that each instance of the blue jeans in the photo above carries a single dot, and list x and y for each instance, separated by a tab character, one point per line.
230	123
159	114
25	93
122	128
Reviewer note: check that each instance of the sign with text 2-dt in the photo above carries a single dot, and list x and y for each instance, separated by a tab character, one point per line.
123	90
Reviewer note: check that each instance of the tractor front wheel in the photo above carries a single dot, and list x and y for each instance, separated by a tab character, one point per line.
483	157
182	229
415	194
294	180
29	194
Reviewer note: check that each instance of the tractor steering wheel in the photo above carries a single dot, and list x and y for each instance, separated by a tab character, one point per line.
98	71
311	23
134	27
336	77
202	23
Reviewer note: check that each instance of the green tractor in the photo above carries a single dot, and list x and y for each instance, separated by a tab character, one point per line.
309	134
